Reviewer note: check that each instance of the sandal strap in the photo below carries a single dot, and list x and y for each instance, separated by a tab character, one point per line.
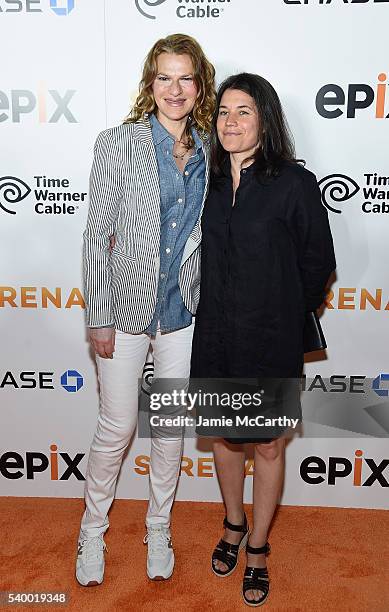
226	553
227	547
263	550
232	527
256	578
256	572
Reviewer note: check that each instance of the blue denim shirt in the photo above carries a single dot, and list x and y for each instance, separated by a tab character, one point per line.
181	199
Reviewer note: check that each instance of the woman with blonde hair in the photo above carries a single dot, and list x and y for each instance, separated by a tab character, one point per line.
148	185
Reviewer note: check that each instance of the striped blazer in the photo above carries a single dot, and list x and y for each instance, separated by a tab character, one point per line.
121	286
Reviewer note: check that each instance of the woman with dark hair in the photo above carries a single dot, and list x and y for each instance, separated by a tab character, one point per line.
148	186
267	254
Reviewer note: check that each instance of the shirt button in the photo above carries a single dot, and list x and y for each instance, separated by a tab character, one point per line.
186	173
180	200
244	171
168	251
174	224
162	275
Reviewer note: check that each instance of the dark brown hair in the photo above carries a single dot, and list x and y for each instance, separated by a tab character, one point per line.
276	144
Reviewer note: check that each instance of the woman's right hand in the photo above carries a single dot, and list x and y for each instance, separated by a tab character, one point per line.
103	341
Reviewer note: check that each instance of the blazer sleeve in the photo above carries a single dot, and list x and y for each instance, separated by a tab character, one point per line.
315	249
106	188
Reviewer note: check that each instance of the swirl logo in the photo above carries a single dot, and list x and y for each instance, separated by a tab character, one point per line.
12	191
147	377
142	5
337	188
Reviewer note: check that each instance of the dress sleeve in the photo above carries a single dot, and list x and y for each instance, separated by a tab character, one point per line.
105	196
312	234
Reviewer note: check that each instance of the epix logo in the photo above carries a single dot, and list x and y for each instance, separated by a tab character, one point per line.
314	470
71	380
332	100
60	465
48	106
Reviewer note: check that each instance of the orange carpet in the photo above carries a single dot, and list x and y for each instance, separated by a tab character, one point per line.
321	559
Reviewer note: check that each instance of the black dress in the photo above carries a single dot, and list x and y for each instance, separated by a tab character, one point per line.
265	261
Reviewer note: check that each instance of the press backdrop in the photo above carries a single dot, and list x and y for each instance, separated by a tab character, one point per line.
70	69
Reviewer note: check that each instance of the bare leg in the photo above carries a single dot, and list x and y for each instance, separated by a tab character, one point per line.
269	467
230	462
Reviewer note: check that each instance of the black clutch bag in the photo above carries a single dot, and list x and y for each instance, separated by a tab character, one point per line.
313	337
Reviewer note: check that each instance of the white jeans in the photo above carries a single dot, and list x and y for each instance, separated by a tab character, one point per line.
118	379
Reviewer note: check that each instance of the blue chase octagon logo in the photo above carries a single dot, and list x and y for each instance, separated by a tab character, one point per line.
72	381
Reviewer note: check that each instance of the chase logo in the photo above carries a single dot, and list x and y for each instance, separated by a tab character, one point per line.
12	191
144	7
72	381
59	7
376	386
62	7
335	189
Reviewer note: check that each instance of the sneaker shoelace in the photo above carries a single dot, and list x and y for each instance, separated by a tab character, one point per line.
157	540
92	549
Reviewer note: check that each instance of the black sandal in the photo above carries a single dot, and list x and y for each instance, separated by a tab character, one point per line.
256	578
228	553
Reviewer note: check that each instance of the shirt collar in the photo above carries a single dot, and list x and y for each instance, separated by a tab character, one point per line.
226	167
160	133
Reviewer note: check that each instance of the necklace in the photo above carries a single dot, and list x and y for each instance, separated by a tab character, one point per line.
178	156
181	155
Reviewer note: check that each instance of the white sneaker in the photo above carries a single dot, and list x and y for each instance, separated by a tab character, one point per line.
90	561
160	555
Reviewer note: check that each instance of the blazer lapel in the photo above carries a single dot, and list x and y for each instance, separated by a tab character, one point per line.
194	239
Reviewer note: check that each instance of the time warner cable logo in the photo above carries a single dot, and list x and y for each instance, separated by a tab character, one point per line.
336	189
185	9
12	191
145	5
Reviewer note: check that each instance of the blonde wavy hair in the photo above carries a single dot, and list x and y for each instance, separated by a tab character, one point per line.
204	77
